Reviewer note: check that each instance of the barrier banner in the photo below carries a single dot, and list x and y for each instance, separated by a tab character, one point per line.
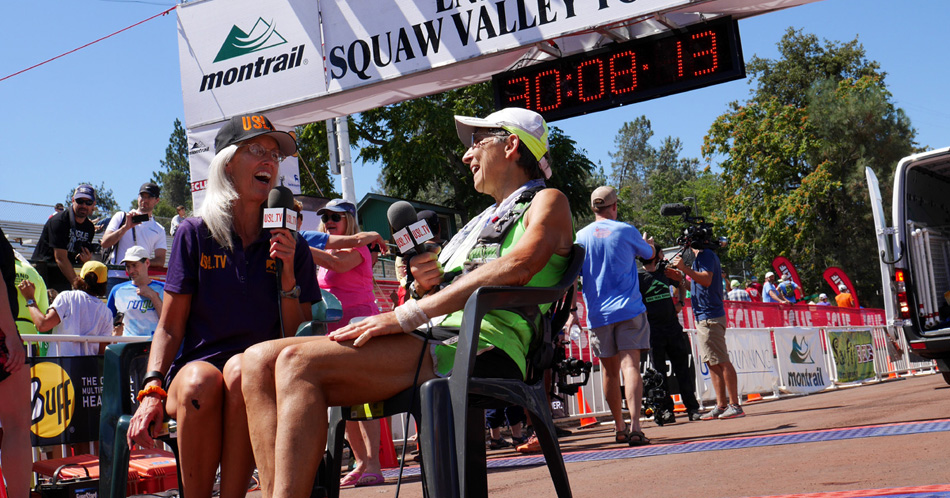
750	351
853	355
784	266
759	315
801	361
65	398
836	276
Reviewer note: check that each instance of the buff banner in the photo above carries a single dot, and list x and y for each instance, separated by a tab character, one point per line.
836	276
783	266
750	351
65	397
801	360
853	355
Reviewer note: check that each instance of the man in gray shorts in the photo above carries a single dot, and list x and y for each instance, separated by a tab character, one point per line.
711	328
615	310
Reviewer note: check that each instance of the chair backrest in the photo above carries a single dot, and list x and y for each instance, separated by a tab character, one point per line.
541	353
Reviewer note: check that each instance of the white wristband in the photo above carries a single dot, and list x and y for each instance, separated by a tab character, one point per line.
410	315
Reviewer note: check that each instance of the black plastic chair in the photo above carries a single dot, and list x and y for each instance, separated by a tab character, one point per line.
453	447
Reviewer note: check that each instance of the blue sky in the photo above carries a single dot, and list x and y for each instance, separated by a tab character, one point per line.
104	113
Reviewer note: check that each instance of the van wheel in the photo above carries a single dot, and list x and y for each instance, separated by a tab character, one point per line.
946	377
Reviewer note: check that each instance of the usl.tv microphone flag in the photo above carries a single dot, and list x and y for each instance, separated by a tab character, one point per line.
836	276
783	266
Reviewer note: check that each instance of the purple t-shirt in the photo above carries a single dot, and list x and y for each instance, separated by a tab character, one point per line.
233	295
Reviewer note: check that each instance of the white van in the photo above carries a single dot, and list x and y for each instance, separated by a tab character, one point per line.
915	253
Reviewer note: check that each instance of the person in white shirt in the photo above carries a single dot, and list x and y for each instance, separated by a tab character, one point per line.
126	230
140	299
182	214
74	312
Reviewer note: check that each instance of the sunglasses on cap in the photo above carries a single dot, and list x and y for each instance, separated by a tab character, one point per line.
336	217
85	202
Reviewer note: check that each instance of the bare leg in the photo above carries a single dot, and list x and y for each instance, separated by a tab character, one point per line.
633	384
15	417
610	370
719	384
237	458
196	402
257	384
312	375
731	380
364	438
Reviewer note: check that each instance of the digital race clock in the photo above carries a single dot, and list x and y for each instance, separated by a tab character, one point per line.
646	68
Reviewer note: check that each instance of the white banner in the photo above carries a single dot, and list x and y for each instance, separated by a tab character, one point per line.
244	56
802	362
368	41
201	152
750	351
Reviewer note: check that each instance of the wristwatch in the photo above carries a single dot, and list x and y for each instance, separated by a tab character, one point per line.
30	302
292	293
413	292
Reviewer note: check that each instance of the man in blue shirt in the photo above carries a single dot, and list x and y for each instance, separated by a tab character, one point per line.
615	310
140	298
710	315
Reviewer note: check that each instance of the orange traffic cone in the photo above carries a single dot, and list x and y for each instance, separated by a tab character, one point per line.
753	397
387	451
585	408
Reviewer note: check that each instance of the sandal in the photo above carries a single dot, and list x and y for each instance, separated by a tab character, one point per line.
370	479
622	436
637	438
351	479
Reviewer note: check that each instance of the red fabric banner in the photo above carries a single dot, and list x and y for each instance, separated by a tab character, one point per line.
783	266
835	276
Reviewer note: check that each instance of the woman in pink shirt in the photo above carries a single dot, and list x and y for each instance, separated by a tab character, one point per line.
348	274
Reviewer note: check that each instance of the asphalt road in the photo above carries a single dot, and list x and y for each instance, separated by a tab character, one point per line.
879	436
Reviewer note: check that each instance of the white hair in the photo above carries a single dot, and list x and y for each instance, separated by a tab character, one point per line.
220	194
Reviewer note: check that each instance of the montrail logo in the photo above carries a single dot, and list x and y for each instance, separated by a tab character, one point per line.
198	147
801	353
263	35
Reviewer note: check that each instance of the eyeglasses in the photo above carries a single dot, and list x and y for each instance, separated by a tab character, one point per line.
258	150
336	217
85	202
479	138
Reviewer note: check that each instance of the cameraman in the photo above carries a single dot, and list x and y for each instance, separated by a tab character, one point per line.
667	339
135	228
710	317
66	240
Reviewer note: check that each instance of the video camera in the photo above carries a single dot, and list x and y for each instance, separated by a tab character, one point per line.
566	367
698	233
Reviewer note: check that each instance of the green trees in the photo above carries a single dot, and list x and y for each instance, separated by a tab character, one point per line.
648	177
174	177
793	158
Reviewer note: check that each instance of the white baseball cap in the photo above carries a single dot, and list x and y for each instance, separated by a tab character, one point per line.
135	253
529	126
769	274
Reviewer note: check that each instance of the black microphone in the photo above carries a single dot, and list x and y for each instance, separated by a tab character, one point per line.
280	214
401	214
673	209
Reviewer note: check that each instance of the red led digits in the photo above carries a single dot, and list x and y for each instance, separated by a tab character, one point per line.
615	89
599	80
679	59
712	52
525	94
557	90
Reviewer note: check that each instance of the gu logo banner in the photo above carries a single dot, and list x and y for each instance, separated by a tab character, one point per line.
262	36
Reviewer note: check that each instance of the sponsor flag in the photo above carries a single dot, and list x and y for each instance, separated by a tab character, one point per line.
783	266
835	276
65	399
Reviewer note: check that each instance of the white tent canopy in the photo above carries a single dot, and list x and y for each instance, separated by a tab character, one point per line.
301	61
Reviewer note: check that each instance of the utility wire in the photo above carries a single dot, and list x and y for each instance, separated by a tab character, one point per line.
86	45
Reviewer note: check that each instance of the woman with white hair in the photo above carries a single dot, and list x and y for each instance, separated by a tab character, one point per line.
224	293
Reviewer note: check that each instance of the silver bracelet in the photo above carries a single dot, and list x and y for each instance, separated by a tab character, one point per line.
410	315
